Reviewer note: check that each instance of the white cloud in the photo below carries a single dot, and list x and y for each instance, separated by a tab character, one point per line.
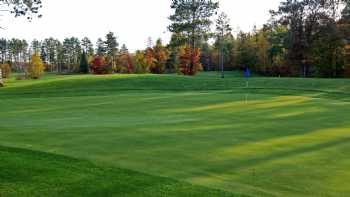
133	21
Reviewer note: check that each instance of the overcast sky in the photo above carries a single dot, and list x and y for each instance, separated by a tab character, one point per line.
133	21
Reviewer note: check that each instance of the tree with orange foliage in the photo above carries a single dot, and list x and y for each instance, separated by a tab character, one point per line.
161	55
149	58
189	61
125	63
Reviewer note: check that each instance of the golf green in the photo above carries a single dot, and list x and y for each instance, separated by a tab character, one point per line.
276	137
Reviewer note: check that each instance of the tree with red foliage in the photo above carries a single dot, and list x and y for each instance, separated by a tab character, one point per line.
99	66
189	61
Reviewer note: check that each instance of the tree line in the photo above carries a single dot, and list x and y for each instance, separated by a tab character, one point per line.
307	38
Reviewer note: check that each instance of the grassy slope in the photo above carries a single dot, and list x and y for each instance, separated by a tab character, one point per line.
29	173
107	85
291	138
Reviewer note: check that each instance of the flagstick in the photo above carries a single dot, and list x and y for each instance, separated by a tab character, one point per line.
246	94
246	76
1	82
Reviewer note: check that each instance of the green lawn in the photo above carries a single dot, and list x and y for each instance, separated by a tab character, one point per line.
147	135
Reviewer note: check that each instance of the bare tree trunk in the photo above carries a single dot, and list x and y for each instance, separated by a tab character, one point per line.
193	42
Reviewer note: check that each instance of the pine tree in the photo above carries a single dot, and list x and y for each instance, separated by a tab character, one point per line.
43	53
124	49
84	66
35	46
111	45
87	46
222	29
171	62
192	18
100	47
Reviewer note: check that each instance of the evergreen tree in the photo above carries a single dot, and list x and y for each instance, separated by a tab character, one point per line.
193	19
100	47
111	47
305	19
124	49
346	11
84	66
223	28
43	53
50	45
3	50
36	46
171	62
87	46
206	56
72	52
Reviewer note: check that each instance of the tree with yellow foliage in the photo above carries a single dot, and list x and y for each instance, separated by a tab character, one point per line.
36	67
262	51
141	65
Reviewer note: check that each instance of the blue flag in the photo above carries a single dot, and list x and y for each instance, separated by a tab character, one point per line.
246	73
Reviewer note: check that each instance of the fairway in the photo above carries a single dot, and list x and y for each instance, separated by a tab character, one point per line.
278	137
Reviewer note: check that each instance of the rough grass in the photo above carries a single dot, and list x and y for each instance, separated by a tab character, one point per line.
279	137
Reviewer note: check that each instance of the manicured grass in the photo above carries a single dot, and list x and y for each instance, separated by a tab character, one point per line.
279	137
29	173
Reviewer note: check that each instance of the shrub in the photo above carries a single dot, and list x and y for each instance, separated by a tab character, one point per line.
100	67
20	77
36	67
5	70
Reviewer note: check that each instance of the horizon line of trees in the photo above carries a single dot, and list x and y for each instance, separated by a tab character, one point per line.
76	56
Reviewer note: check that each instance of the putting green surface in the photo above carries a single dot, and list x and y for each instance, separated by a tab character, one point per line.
279	137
